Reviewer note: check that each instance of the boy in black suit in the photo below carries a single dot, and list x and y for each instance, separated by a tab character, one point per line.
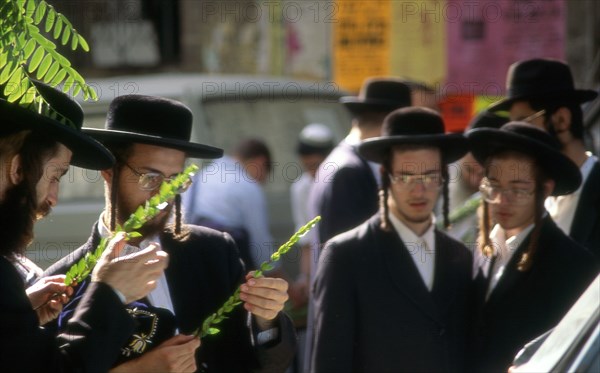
393	293
528	272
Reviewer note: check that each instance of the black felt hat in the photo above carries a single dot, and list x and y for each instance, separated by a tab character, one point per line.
530	140
379	95
62	120
152	120
541	79
414	125
486	119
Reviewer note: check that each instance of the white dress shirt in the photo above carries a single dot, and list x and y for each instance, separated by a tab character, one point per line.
562	208
421	248
504	249
160	296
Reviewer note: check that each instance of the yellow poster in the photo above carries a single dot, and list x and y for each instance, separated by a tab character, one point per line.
418	41
361	41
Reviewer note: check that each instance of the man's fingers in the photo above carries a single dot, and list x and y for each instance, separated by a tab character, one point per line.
264	292
115	246
268	282
177	340
56	278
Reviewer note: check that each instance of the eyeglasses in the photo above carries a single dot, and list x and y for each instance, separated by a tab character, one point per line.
534	116
153	180
406	181
491	194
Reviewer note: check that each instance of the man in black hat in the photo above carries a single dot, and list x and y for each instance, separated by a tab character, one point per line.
541	92
465	178
149	137
528	272
345	191
36	148
393	293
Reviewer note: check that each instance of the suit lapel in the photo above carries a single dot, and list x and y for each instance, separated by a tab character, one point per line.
403	271
512	276
444	280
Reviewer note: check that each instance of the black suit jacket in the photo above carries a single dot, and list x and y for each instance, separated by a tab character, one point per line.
345	192
586	222
524	305
373	312
90	342
204	270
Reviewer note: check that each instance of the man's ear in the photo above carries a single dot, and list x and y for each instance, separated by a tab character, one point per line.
16	172
548	187
561	120
107	175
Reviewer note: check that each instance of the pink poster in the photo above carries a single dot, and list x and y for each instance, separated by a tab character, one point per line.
486	36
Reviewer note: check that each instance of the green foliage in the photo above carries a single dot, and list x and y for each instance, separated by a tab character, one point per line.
168	190
24	51
234	300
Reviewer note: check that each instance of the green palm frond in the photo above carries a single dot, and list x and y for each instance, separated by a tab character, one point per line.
26	53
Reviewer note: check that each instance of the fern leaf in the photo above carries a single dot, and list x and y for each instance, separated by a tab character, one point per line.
58	78
74	40
51	72
65	36
50	18
58	26
36	59
44	66
40	12
83	43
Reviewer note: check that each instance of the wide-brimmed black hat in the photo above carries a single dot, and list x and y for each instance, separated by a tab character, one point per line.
486	119
541	79
414	125
379	95
152	120
62	120
530	140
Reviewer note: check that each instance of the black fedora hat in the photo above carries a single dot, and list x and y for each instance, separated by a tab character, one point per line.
62	119
530	140
414	125
486	119
541	79
379	95
152	120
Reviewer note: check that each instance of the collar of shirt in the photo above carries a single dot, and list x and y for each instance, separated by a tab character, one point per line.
504	249
421	248
160	296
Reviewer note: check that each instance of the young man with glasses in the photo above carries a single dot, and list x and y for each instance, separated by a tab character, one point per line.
528	273
149	137
541	92
393	293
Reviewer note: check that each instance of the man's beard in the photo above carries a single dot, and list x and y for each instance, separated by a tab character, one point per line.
17	215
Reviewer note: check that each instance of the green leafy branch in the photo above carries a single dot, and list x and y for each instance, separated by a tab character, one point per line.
24	51
168	190
209	324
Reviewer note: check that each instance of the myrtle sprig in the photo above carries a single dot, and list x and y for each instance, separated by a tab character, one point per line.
208	326
168	190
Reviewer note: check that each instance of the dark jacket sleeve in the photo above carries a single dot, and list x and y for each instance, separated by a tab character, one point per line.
88	344
348	199
334	312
